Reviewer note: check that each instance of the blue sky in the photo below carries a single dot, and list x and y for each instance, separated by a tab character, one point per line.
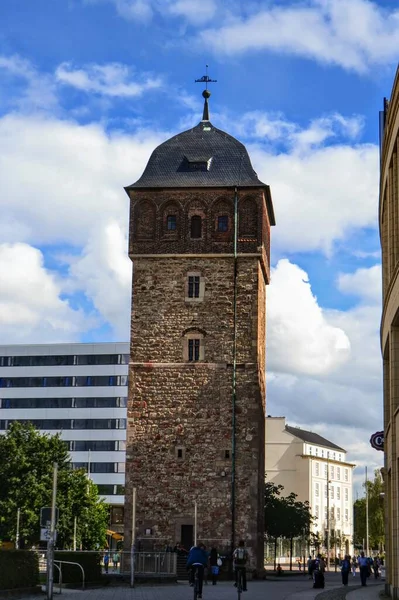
90	87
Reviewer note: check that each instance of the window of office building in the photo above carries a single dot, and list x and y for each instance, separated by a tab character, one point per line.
317	469
346	473
346	495
316	490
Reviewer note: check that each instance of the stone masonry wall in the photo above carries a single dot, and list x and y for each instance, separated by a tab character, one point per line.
179	437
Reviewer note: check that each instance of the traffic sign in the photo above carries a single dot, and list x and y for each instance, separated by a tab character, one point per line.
377	440
45	517
45	534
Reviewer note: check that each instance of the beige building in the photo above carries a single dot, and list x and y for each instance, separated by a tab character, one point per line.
389	232
317	471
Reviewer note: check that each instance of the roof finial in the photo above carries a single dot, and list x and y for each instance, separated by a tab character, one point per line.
206	93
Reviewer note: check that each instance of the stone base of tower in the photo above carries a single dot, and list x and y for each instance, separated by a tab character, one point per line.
180	456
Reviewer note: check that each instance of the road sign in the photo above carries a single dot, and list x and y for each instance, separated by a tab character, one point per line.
45	534
45	517
377	440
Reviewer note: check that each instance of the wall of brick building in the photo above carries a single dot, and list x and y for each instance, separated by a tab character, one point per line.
177	404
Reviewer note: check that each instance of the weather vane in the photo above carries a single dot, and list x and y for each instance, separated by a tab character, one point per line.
205	79
206	93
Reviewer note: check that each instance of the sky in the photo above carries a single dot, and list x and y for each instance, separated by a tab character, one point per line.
90	87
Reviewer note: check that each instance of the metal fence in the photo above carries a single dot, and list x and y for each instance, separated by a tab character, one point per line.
152	564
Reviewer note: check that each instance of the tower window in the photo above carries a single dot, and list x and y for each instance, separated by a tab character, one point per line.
193	286
194	349
223	223
196	227
171	223
179	452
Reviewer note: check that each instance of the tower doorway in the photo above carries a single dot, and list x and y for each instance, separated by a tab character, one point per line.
187	536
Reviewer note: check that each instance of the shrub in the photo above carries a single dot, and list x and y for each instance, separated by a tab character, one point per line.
18	569
90	561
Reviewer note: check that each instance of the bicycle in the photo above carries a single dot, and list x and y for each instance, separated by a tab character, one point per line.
196	585
239	583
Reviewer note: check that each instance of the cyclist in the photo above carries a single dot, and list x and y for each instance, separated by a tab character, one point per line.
240	558
197	559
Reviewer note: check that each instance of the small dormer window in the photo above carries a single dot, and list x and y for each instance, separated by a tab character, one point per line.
171	222
196	163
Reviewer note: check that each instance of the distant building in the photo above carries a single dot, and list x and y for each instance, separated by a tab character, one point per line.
80	391
311	466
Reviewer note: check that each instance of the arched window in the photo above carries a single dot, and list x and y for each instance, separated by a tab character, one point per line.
145	220
248	218
223	223
171	222
196	227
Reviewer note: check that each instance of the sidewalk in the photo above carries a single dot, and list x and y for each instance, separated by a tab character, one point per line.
371	592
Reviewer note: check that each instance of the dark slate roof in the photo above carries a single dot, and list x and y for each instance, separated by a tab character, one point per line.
312	438
230	164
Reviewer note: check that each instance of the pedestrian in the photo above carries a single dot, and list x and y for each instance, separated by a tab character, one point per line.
364	568
214	561
376	567
106	562
115	560
240	559
354	566
318	572
345	569
310	566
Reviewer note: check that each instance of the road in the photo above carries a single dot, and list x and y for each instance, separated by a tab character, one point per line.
297	588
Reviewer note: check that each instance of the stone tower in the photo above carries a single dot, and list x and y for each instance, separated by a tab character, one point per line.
200	243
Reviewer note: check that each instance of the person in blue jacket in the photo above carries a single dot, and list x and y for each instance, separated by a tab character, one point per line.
197	559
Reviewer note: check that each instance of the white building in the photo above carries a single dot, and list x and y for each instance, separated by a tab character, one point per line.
317	471
80	391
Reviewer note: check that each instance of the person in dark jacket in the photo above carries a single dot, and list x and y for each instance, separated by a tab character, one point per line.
345	569
197	559
213	563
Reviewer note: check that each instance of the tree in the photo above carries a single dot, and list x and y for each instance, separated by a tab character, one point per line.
26	473
376	514
285	516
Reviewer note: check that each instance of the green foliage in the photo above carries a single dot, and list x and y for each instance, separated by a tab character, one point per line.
26	473
376	514
18	569
90	561
285	516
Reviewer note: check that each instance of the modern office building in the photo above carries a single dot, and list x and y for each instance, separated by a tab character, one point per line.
389	234
318	472
80	391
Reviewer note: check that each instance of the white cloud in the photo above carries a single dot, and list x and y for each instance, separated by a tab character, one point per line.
110	287
144	10
194	11
63	185
343	403
364	282
299	335
39	93
319	196
353	35
31	307
110	79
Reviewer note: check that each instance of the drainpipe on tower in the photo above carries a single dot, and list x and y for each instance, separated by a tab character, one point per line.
234	396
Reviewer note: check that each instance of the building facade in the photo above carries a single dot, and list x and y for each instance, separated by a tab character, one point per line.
318	472
389	234
79	391
200	241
